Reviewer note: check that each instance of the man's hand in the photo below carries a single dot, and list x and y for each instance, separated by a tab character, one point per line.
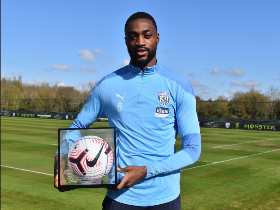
62	178
133	174
62	181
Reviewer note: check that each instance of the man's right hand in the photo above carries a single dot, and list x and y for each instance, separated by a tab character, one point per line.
62	178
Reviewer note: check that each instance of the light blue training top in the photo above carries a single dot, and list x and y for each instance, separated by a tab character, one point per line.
147	109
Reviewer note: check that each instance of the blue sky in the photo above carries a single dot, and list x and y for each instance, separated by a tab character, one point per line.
219	46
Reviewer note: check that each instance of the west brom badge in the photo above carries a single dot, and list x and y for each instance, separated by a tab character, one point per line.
163	98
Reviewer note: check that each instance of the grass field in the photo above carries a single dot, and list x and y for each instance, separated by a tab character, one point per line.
237	169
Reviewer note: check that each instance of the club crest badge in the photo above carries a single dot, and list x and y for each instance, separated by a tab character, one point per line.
227	125
162	112
163	98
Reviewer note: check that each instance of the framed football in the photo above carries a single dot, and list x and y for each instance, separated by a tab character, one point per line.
90	158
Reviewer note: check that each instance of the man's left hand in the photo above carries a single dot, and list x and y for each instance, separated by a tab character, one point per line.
133	174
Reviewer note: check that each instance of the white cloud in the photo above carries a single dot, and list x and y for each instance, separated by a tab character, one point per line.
59	83
61	67
232	91
206	91
237	83
86	55
82	82
229	93
10	76
248	83
215	70
80	89
237	72
89	55
96	51
226	95
196	84
88	69
231	72
62	84
124	63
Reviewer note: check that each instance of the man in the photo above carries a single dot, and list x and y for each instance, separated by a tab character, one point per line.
148	104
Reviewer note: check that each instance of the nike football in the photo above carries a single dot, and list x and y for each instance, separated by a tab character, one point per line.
90	158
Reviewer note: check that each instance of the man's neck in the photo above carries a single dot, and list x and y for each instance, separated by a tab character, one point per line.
150	64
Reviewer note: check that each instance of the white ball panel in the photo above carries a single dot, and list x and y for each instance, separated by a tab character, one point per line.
89	147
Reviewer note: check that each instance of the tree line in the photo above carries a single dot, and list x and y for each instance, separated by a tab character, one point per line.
62	98
249	105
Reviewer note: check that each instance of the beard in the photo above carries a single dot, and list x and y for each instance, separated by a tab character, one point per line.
139	61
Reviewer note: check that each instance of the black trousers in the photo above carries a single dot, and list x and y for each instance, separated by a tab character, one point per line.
110	204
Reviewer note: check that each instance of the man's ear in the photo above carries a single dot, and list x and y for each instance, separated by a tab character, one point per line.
157	38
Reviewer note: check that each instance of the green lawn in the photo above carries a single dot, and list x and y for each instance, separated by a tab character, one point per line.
237	169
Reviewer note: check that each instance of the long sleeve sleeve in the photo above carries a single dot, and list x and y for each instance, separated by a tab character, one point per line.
91	111
188	127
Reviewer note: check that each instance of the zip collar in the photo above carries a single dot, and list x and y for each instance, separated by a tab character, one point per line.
148	71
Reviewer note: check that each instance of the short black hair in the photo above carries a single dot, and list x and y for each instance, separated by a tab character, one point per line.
138	15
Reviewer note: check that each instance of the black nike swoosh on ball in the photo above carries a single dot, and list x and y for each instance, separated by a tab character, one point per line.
94	161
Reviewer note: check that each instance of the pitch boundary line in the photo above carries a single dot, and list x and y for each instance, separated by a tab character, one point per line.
229	160
21	169
180	170
242	143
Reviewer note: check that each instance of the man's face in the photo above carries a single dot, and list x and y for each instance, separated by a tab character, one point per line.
141	41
